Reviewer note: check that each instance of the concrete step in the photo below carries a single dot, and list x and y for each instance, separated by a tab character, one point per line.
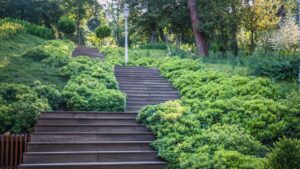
98	165
88	114
90	136
88	146
90	128
91	121
89	156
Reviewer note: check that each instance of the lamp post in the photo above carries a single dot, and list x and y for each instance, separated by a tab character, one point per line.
126	15
299	39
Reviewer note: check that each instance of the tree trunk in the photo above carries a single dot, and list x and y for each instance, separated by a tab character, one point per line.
162	35
201	44
234	31
78	32
252	42
152	35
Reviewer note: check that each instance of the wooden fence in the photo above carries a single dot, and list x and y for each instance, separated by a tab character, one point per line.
12	148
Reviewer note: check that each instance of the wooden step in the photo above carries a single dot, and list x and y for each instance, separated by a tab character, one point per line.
88	146
89	156
90	136
98	165
88	114
91	121
90	128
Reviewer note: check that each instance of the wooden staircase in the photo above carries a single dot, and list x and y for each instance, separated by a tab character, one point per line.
102	140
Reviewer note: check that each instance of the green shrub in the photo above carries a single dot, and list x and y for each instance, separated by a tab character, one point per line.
285	68
59	50
16	26
87	93
103	32
20	109
49	92
94	68
66	25
36	54
182	141
285	154
233	159
292	116
160	46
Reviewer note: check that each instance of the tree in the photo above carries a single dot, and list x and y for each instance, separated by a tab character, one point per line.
77	10
201	44
45	12
103	32
261	15
66	25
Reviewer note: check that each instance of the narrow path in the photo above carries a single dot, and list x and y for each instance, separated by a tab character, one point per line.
92	52
102	140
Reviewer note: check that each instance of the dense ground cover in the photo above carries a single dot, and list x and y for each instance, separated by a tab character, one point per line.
226	118
38	75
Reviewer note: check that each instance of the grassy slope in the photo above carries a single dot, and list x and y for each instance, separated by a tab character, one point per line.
16	69
225	66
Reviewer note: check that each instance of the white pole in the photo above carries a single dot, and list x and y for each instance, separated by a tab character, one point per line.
126	40
299	39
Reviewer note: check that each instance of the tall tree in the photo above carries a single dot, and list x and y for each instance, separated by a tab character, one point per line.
77	9
201	45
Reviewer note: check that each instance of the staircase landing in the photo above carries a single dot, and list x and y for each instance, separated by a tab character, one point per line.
102	140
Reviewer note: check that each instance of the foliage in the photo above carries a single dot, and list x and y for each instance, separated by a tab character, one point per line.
11	27
286	38
87	93
103	32
225	119
20	108
279	68
161	46
36	54
66	25
94	68
285	154
46	12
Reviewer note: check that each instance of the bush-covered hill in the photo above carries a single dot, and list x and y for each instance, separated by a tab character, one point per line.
225	118
38	75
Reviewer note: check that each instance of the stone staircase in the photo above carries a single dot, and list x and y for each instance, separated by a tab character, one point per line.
102	140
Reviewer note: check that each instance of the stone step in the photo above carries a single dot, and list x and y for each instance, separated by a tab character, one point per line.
91	121
89	156
90	128
88	114
88	146
98	165
90	136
